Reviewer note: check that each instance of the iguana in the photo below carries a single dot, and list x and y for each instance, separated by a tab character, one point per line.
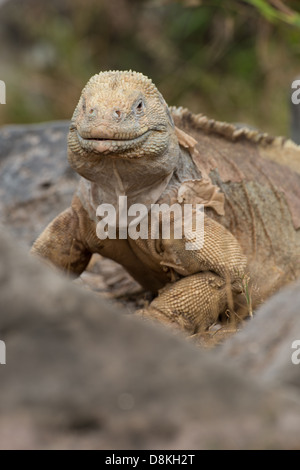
125	141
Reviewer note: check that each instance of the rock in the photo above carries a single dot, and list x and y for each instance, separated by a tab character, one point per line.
36	181
81	375
263	347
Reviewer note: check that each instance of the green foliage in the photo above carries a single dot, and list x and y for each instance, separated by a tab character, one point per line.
272	14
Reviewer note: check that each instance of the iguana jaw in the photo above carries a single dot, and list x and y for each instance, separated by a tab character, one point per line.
102	142
121	143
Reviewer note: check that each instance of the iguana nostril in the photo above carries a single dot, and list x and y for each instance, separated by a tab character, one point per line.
92	112
117	114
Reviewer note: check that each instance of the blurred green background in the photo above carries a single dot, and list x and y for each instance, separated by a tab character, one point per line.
232	60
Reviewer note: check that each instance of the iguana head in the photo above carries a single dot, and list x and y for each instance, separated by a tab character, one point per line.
120	114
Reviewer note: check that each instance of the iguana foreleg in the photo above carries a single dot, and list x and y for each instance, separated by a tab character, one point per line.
193	303
212	280
61	244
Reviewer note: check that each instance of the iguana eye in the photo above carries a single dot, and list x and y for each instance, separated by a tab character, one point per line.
140	105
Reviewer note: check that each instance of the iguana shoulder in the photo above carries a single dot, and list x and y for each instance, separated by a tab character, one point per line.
232	154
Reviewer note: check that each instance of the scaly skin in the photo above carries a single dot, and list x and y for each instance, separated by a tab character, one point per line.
123	142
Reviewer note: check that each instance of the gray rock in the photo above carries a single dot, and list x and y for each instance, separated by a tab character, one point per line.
80	375
263	347
36	181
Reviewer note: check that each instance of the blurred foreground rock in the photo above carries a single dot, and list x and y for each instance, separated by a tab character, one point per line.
81	373
263	347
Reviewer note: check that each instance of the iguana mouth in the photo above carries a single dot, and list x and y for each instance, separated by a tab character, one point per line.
114	144
116	140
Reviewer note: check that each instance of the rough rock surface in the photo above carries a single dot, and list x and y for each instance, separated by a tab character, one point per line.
264	347
80	374
36	181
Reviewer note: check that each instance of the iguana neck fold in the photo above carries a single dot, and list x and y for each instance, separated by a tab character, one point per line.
143	181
